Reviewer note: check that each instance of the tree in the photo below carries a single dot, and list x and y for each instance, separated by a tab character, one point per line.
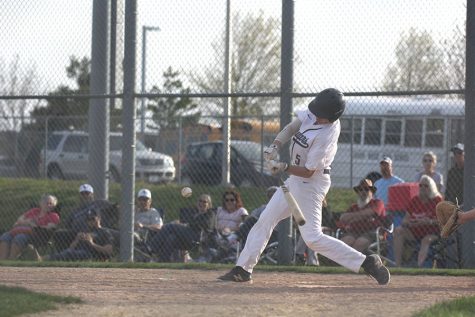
455	58
13	83
419	64
255	63
167	111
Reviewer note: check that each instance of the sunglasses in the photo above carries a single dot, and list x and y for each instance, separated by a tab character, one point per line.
424	185
428	161
362	189
458	152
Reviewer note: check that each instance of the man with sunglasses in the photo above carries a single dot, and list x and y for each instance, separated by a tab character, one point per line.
363	217
313	137
454	189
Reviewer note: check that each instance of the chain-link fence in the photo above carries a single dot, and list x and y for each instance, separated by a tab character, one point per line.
401	65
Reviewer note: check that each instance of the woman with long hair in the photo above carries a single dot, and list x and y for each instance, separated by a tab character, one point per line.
420	222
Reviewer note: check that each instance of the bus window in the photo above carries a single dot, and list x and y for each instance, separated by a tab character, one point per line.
435	133
393	132
457	131
413	133
357	124
345	134
372	134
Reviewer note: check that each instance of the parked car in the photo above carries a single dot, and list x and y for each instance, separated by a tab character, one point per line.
67	157
202	164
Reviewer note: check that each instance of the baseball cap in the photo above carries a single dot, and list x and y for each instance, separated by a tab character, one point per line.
458	146
86	188
144	193
365	184
91	213
386	159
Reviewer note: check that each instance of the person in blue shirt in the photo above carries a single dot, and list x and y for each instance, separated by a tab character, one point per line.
388	179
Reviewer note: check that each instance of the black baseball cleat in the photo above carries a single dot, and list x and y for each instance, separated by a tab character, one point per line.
374	267
237	274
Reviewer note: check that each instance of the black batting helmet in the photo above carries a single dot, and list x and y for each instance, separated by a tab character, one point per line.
328	104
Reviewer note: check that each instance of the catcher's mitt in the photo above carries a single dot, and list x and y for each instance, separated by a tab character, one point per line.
447	215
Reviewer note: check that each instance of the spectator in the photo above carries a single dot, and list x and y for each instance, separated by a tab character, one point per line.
232	213
147	219
420	222
245	227
429	161
96	243
76	221
14	241
363	217
178	236
388	179
454	190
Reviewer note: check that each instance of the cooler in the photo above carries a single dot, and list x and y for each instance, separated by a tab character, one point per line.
399	196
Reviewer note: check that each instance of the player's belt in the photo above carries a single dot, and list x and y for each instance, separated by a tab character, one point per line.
326	171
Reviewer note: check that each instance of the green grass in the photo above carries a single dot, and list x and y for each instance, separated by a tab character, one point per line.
15	301
18	195
461	307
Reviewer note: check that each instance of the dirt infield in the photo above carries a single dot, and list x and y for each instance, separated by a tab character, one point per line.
163	292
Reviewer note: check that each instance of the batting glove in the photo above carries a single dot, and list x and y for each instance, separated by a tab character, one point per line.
277	167
271	152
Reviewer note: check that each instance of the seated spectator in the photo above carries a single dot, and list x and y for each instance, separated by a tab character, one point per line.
175	236
245	227
387	179
13	242
363	217
231	214
147	219
420	222
429	161
95	243
76	221
454	188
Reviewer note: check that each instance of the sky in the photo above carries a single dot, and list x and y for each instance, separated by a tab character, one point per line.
342	43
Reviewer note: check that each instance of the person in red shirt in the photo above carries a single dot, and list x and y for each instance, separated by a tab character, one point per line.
363	217
420	222
14	241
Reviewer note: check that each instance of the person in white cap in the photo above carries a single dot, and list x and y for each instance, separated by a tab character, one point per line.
388	179
454	189
147	219
76	221
86	195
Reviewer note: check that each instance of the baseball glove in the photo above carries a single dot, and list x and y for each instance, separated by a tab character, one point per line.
447	215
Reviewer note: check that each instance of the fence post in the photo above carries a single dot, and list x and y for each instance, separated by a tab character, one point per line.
285	253
468	230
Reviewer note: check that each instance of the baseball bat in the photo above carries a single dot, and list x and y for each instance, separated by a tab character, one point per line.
294	207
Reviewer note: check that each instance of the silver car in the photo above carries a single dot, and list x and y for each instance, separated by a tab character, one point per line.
67	157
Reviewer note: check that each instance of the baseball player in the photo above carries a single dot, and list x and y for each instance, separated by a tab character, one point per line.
313	137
